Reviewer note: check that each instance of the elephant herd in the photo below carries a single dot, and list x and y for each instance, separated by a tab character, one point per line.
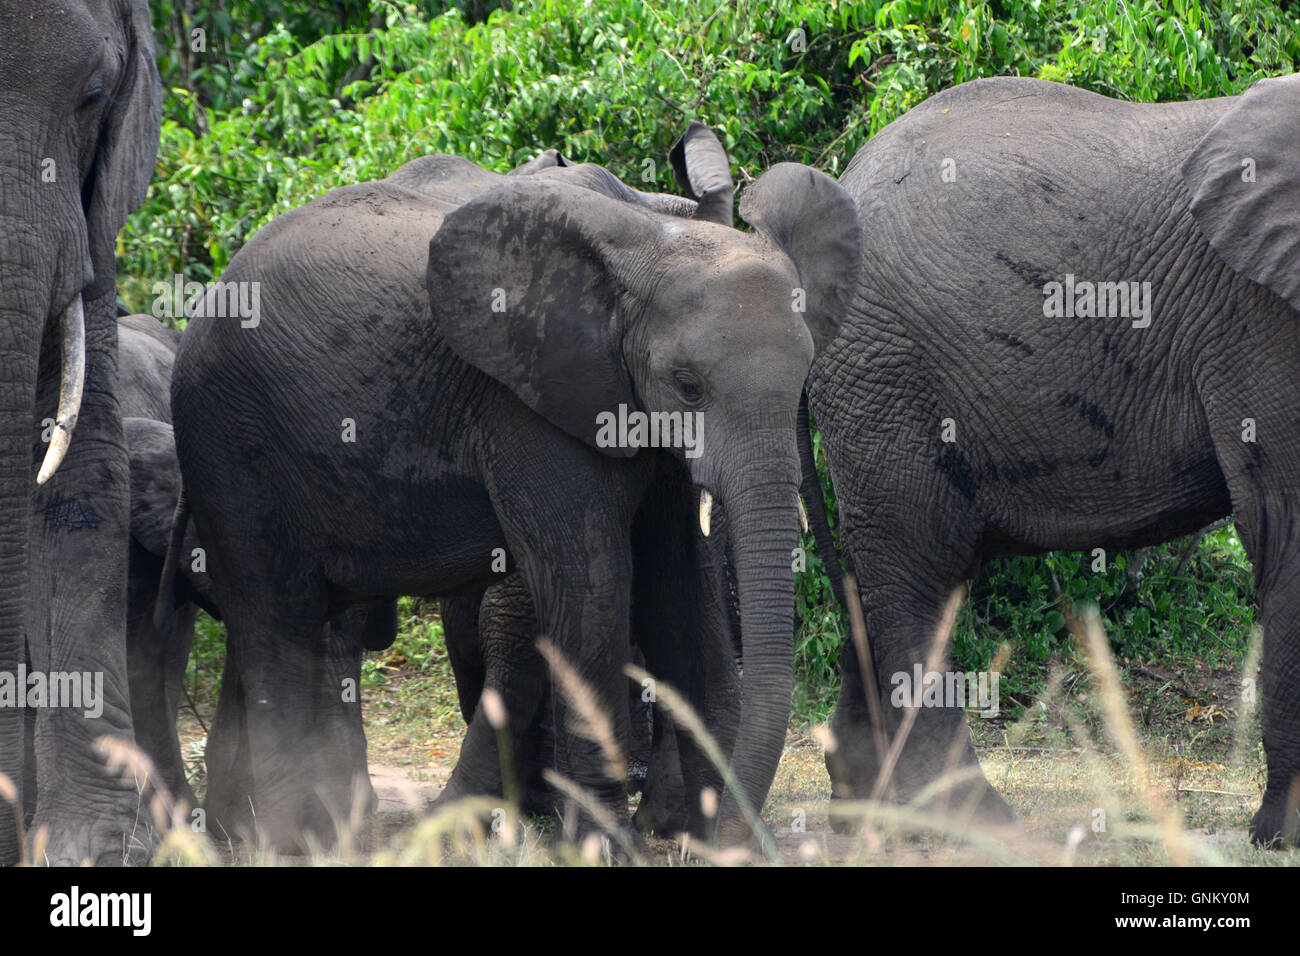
1026	317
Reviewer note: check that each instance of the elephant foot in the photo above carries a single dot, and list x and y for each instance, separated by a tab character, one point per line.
927	776
295	824
1275	825
662	811
94	834
733	833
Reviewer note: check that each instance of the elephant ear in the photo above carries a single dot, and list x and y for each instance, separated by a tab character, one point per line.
1244	177
523	284
547	159
814	221
703	172
128	145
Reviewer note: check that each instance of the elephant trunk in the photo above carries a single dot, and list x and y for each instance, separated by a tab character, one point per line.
762	517
20	334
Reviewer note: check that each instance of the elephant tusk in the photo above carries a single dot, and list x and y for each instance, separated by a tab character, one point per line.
72	324
803	517
706	510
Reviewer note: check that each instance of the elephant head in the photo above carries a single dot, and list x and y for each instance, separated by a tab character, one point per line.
595	305
79	120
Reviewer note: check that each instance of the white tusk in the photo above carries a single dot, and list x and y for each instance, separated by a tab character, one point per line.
72	324
803	517
706	510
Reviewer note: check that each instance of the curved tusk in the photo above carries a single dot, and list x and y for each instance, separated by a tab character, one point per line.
72	324
803	517
706	510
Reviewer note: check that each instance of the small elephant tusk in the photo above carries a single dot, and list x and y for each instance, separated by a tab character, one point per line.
803	517
706	510
72	324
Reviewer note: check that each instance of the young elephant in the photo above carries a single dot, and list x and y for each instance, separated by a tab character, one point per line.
1075	326
447	366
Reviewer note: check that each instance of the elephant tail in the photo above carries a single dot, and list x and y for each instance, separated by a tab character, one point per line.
165	602
810	489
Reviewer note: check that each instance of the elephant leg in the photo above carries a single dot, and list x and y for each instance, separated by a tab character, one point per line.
1260	460
681	625
904	589
286	754
77	627
156	669
504	636
585	617
337	720
464	649
1278	817
663	808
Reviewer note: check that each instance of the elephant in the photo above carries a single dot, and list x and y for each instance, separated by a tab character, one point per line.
80	109
1075	326
440	375
160	632
156	656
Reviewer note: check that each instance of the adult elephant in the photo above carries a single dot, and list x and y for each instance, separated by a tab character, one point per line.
1075	326
79	118
420	396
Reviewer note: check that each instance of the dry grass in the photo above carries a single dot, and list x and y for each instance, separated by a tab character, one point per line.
1101	771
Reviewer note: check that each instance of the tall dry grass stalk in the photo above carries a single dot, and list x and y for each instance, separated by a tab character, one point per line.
588	719
597	811
173	838
1249	700
685	717
866	664
937	652
1088	630
9	794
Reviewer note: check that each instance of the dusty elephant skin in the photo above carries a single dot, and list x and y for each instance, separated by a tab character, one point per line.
682	633
422	388
79	119
1086	426
157	650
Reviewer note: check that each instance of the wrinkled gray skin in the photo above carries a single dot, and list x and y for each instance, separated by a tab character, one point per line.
1071	433
157	651
79	117
156	656
681	634
475	430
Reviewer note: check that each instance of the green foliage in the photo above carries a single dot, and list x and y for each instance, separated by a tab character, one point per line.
290	100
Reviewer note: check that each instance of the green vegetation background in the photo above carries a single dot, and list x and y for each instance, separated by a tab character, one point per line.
274	103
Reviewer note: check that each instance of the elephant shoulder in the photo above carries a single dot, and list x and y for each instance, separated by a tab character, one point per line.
443	179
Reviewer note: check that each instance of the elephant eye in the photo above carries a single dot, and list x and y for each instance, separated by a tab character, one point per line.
687	386
94	97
